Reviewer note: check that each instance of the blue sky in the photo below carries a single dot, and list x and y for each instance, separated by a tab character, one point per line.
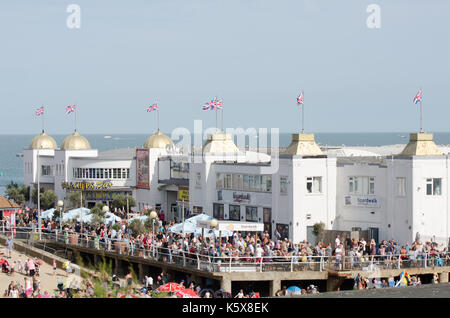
256	54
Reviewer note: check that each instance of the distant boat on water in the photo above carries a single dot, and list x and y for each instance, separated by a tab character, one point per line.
107	137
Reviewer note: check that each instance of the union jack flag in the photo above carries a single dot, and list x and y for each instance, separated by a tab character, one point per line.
418	97
152	107
40	111
300	99
211	105
219	104
70	109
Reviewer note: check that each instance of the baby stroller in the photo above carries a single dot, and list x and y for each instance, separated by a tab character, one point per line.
5	267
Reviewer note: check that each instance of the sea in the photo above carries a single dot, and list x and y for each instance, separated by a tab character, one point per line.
11	165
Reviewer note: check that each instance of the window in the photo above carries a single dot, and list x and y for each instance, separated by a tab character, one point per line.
46	170
401	187
219	181
128	173
218	211
237	182
266	183
314	184
227	182
234	213
361	185
283	185
198	179
246	182
251	213
434	186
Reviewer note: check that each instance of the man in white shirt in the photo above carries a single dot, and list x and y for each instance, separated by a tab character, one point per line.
148	282
337	241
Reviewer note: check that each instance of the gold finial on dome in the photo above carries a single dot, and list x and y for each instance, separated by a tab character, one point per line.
158	140
43	141
421	144
75	142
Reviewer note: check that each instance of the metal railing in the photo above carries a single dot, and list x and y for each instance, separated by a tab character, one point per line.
288	263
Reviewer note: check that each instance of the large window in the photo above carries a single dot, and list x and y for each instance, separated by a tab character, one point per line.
361	185
314	184
401	187
434	186
234	212
244	182
251	213
100	173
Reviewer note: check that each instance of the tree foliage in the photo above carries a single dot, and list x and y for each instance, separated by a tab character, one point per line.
73	200
120	201
137	227
47	198
16	193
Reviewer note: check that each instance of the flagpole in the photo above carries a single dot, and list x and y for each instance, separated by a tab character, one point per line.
43	124
76	118
303	113
421	98
222	115
158	118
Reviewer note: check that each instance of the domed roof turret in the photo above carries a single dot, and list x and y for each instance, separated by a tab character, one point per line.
158	140
75	142
43	141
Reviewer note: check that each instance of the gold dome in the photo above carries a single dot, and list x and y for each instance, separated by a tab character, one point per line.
158	140
75	142
43	141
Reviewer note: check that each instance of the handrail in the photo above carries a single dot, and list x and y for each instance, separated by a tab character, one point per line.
202	261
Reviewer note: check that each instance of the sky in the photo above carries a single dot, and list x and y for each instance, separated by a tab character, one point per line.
257	55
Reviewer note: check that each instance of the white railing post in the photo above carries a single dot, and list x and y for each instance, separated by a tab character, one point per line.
426	259
292	264
260	265
399	261
198	261
230	263
184	258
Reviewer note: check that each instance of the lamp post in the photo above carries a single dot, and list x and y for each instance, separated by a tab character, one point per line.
60	206
105	209
153	216
213	225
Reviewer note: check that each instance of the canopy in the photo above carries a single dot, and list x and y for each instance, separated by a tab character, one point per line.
294	290
190	226
142	218
187	293
111	218
47	214
171	287
80	214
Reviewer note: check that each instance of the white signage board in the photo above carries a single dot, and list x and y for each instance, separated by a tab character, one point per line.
362	201
241	226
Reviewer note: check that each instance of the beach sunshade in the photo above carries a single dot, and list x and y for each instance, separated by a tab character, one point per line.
187	293
171	287
294	290
48	214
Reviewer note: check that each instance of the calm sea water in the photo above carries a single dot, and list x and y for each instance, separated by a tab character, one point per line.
10	145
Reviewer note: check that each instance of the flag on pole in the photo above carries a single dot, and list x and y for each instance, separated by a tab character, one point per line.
300	99
70	109
152	107
418	97
211	105
40	111
219	104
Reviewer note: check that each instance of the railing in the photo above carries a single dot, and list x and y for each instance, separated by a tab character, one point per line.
289	263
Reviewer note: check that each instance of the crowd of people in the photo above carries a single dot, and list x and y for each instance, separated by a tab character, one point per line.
250	247
254	247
